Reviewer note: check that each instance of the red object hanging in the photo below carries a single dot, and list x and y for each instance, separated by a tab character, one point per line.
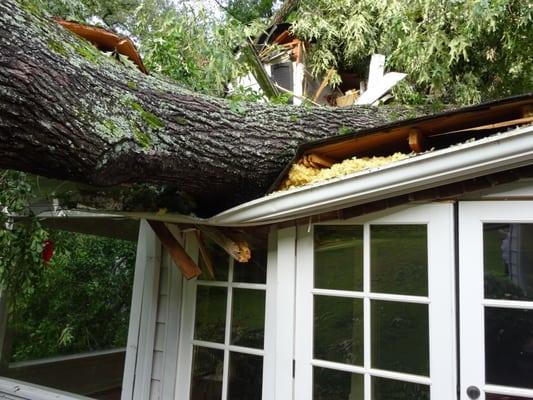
48	250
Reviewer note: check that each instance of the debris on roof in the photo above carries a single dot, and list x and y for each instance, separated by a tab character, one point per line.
300	174
105	40
345	154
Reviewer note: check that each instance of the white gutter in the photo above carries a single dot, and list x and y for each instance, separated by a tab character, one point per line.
456	163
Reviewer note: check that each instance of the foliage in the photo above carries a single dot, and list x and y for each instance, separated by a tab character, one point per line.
21	244
81	300
459	51
193	47
247	11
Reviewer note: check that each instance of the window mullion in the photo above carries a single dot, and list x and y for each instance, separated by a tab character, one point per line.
366	310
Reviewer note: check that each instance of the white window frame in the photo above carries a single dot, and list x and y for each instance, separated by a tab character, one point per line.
472	215
441	299
277	352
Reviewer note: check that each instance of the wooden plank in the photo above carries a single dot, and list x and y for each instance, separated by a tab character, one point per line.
84	373
173	325
135	312
12	389
187	266
376	70
383	86
504	124
148	318
239	250
205	255
417	140
323	85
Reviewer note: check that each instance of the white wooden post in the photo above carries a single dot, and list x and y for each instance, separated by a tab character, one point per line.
139	351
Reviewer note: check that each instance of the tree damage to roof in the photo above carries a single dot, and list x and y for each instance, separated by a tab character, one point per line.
105	40
346	154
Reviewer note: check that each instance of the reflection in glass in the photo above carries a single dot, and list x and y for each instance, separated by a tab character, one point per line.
338	329
509	347
329	384
220	260
339	257
210	313
388	389
248	318
399	259
254	271
245	377
400	337
490	396
207	367
508	261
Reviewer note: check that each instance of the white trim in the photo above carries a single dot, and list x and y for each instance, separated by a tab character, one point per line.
440	300
472	215
146	237
523	305
172	329
145	353
14	389
372	296
508	391
492	154
271	315
423	380
183	375
303	338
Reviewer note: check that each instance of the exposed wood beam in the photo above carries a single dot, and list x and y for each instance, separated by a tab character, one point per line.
417	140
239	250
204	253
183	261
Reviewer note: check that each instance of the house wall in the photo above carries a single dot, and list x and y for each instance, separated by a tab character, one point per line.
166	303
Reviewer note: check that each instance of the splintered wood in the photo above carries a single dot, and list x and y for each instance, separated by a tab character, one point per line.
187	266
305	172
238	249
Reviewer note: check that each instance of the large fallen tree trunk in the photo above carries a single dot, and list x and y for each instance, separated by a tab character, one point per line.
70	112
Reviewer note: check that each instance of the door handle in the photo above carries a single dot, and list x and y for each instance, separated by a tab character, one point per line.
473	392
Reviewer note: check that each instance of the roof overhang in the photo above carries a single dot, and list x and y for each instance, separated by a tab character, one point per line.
496	153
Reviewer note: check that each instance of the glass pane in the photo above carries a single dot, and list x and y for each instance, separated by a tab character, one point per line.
338	329
220	260
388	389
207	367
254	271
489	396
248	318
210	319
509	347
245	377
339	257
399	259
400	337
329	384
508	261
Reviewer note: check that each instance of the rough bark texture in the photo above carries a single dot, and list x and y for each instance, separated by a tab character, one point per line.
70	112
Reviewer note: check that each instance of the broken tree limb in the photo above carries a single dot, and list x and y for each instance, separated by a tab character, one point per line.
239	250
183	261
69	112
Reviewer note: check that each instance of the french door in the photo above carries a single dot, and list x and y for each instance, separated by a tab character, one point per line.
496	297
375	317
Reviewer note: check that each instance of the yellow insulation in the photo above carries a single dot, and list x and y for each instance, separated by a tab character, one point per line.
300	175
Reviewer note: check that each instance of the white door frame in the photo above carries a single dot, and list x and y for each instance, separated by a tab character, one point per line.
441	299
279	319
472	215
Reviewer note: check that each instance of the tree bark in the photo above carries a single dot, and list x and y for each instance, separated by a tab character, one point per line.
72	113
